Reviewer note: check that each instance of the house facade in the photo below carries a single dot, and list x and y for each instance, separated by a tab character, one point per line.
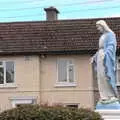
53	79
48	62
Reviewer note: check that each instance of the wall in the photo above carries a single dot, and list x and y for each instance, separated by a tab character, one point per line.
36	76
26	80
82	93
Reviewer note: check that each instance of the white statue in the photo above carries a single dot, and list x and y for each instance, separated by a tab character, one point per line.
104	62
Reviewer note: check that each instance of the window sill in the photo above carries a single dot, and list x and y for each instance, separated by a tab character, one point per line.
8	86
118	84
59	84
22	100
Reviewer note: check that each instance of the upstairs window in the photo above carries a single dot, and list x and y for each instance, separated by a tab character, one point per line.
65	71
6	72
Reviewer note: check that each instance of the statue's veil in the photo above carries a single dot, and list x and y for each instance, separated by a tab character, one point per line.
104	25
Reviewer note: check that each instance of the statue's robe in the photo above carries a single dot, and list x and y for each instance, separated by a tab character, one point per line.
110	58
106	67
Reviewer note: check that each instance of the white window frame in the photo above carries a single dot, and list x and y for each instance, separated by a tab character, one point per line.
118	68
66	83
22	100
5	84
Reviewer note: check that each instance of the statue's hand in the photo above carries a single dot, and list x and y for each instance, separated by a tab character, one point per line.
92	59
102	54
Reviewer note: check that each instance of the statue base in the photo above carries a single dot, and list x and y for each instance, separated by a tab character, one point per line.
109	111
115	105
109	114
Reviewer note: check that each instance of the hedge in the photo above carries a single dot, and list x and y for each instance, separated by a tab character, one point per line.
36	112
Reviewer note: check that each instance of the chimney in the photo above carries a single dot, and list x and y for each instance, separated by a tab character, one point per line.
51	13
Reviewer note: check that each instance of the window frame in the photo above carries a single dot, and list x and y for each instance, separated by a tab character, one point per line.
5	84
66	83
118	69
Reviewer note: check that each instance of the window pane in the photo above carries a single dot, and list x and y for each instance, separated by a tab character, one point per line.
9	72
118	66
70	62
71	73
1	63
62	71
1	76
72	106
118	76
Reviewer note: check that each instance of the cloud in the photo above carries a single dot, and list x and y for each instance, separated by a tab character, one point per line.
115	15
100	1
112	15
96	1
35	2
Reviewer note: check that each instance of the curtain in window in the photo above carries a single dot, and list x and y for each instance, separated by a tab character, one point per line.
9	72
65	71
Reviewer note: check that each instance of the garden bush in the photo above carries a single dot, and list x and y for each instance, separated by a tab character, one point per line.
36	112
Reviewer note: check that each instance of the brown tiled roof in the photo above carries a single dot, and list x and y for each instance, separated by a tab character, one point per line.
53	36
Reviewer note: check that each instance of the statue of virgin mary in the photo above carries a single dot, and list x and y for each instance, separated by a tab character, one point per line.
105	63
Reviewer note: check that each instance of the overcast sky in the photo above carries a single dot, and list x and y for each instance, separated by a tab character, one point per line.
33	10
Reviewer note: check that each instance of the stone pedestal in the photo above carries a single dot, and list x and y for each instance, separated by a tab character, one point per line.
108	106
109	114
109	110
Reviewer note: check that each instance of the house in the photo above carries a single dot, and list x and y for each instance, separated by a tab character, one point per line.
49	61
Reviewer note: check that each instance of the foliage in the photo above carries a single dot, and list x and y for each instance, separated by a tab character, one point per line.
36	112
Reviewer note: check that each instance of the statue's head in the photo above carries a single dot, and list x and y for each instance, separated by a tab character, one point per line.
102	26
